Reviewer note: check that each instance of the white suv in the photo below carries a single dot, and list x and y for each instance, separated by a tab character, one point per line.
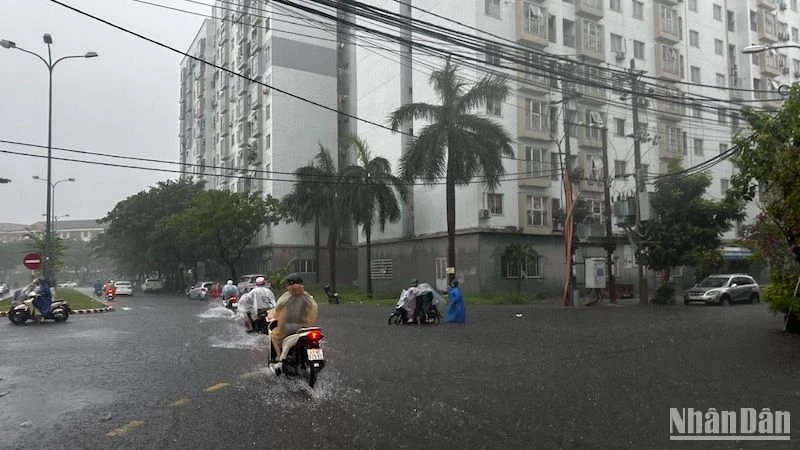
152	285
248	282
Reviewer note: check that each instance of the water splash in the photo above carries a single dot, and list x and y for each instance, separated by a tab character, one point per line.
217	312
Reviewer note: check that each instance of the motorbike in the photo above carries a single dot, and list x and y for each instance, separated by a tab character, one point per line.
230	303
110	296
20	312
301	357
420	308
333	296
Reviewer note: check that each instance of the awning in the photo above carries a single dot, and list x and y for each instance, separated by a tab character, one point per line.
736	253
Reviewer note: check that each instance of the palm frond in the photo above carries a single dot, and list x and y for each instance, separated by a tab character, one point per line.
426	156
414	111
493	87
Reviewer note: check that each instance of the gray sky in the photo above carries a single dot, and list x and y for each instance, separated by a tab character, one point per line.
125	102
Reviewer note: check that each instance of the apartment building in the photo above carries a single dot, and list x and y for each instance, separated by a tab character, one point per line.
693	78
241	135
83	230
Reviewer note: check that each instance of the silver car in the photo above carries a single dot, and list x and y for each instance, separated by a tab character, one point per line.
199	291
723	289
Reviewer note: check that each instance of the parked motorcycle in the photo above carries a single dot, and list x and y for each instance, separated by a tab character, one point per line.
333	296
301	357
20	312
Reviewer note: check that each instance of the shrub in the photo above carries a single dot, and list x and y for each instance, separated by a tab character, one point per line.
665	294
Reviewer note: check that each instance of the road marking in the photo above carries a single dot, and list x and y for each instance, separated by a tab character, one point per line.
125	428
126	308
180	402
215	387
248	375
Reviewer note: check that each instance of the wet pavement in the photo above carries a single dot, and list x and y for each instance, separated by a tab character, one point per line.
167	372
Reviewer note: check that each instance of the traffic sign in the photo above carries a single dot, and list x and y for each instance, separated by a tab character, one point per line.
32	261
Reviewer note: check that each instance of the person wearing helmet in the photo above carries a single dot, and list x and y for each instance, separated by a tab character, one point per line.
229	290
294	310
264	300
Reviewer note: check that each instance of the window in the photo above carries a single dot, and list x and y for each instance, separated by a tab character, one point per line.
494	108
795	35
718	47
673	139
616	43
268	141
720	80
693	5
304	265
619	127
616	5
494	203
638	50
669	20
770	24
268	112
592	35
568	29
535	20
552	33
493	54
536	211
724	183
534	157
694	38
753	21
697	144
620	167
492	8
594	118
533	115
722	116
268	170
670	63
531	268
718	12
382	269
555	166
723	148
638	10
793	5
731	21
694	74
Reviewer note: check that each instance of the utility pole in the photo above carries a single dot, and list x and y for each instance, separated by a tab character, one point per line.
640	185
610	245
568	206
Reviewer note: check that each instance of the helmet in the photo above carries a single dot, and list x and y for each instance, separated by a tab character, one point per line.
229	282
294	278
414	282
260	281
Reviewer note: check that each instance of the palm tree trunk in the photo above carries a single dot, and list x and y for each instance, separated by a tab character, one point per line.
316	247
332	241
451	221
368	234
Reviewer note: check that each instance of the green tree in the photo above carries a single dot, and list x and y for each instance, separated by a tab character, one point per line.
519	254
767	158
35	242
317	197
457	143
686	224
224	223
370	193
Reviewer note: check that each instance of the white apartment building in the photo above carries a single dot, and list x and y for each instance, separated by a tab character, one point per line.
688	50
241	135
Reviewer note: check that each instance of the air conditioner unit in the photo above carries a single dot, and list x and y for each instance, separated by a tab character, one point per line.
785	69
797	74
484	214
734	69
782	6
620	56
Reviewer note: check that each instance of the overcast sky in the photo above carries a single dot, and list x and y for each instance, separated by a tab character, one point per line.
125	102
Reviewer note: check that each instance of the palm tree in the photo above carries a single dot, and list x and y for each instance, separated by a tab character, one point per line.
457	143
317	197
369	192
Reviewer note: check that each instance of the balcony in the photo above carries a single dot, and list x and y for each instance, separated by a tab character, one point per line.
767	26
243	134
256	123
769	5
591	8
668	62
590	40
670	104
671	141
590	137
256	96
532	23
667	24
589	84
769	64
534	173
532	119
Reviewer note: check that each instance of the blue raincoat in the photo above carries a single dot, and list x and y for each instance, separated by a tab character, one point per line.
44	299
456	313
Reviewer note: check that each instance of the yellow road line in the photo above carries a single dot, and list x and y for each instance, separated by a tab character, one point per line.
179	402
215	387
125	428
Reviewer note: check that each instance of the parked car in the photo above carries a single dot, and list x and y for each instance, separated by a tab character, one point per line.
199	291
248	282
69	284
124	288
152	285
3	287
723	289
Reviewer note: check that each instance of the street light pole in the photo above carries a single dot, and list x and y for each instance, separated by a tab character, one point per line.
53	191
51	65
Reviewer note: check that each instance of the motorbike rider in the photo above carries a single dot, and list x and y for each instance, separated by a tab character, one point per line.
98	288
229	290
264	299
295	309
31	291
246	306
110	289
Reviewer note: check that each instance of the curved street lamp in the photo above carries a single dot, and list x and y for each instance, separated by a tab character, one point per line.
51	65
758	48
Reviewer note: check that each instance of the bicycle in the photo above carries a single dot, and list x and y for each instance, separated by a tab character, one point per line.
596	296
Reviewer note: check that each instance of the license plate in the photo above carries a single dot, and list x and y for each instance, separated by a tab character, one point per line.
315	354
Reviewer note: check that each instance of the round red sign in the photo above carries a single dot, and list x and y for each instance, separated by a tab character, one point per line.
32	261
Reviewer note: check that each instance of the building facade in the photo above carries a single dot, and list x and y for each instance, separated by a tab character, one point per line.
693	77
83	230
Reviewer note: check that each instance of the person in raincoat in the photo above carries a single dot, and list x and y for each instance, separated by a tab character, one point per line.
456	313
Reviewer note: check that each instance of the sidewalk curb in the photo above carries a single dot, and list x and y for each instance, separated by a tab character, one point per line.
79	311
